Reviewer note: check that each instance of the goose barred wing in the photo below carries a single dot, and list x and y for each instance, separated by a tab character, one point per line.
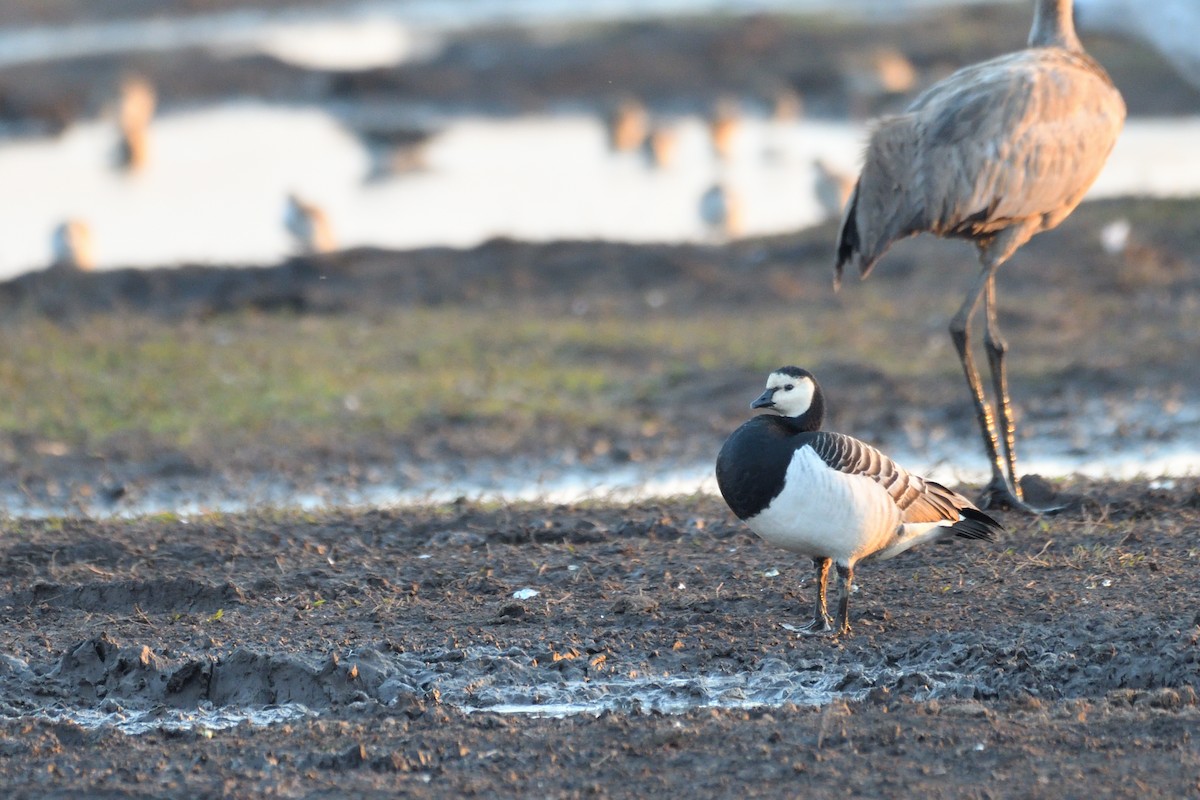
919	500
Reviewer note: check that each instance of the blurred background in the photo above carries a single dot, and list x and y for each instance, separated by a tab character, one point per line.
519	245
167	132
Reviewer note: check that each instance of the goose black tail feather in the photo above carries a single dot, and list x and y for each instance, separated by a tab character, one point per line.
976	525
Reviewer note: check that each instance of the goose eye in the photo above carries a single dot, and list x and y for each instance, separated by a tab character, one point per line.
789	387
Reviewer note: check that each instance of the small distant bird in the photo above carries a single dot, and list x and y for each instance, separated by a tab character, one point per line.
721	209
829	496
885	71
787	109
832	188
135	111
662	146
628	126
1172	27
893	72
995	153
395	152
725	127
788	105
309	225
72	246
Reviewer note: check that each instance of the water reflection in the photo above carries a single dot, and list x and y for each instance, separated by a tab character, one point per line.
216	186
949	461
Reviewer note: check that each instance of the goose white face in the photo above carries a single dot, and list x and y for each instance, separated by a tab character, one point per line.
786	394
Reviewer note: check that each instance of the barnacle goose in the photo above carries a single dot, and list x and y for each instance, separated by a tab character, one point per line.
829	496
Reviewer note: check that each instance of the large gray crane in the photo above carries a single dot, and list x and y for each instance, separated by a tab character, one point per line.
995	153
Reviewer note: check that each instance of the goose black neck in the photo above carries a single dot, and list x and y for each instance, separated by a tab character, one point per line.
812	419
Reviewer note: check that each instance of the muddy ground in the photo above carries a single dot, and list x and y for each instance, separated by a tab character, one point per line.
1061	661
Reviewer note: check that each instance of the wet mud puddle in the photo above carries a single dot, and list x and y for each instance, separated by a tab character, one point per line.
1167	446
100	684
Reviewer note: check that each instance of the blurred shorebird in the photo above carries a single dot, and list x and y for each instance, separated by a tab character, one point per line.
395	152
994	154
135	110
72	246
309	225
662	146
885	71
721	209
628	126
725	127
787	106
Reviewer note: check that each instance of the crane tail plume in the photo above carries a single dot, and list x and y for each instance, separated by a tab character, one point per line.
848	239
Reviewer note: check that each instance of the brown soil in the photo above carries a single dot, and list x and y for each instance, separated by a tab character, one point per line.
1063	654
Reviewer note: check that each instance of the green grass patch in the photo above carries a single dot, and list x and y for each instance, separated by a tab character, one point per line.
255	375
310	380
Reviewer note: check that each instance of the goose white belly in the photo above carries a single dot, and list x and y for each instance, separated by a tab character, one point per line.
821	512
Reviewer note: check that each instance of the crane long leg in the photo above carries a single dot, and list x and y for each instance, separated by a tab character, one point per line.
820	620
997	493
960	334
996	349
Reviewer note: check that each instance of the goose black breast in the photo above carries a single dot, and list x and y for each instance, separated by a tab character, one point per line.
753	463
